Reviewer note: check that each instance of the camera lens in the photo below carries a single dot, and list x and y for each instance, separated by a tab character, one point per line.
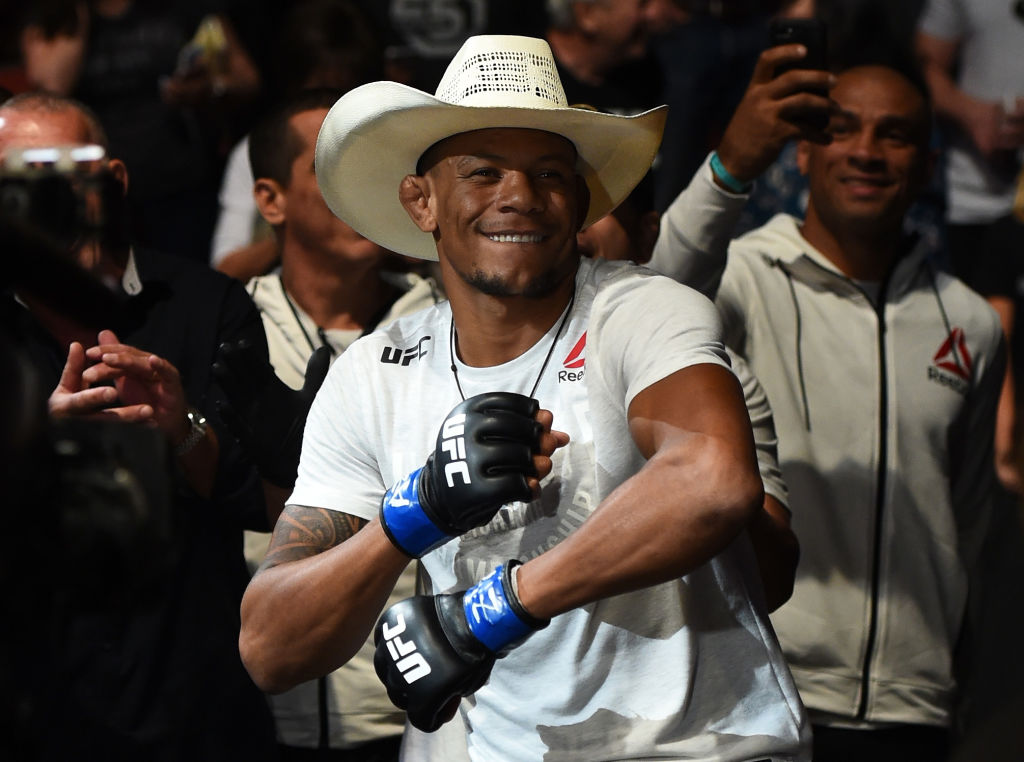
15	200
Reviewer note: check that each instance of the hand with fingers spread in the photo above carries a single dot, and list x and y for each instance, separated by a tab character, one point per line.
73	397
492	449
148	387
773	111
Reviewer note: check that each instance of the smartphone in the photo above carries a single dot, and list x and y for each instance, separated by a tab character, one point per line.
808	32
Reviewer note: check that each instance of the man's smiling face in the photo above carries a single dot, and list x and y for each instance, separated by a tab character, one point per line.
877	161
506	204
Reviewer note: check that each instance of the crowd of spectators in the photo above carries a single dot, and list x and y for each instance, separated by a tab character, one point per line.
209	111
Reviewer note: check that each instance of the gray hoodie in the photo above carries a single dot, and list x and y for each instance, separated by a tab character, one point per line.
885	418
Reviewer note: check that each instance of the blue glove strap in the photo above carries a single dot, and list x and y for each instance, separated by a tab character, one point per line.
404	520
489	615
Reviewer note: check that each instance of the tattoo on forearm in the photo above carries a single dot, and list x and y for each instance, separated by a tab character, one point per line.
302	532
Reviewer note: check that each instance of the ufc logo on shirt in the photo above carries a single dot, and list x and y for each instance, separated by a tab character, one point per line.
409	661
454	444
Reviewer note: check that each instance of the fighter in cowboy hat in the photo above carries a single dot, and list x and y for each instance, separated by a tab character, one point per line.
595	595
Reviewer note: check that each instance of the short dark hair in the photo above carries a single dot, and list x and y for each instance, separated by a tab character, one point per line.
872	33
274	143
52	103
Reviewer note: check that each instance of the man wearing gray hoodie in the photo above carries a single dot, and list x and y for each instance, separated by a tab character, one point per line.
883	374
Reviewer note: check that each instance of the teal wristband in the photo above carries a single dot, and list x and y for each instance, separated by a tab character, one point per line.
726	177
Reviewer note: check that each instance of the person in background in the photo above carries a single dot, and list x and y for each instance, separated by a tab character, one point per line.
320	44
158	677
333	287
969	50
601	50
883	373
164	81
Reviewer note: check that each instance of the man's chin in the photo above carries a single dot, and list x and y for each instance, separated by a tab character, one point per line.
493	284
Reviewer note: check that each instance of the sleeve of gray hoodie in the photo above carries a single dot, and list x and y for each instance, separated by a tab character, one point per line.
972	476
980	519
695	232
763	425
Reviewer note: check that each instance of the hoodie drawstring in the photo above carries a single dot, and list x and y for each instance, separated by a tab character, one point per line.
799	348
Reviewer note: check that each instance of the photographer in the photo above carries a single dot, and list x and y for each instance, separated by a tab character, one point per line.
159	678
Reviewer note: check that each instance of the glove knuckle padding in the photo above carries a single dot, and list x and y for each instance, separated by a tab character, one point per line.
483	455
426	656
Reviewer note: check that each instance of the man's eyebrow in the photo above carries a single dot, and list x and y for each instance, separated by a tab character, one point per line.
895	120
483	156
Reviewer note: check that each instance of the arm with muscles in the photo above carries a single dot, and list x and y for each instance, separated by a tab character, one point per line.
697	226
147	389
693	429
322	586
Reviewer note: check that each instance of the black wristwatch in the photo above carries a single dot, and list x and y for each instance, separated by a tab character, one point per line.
196	432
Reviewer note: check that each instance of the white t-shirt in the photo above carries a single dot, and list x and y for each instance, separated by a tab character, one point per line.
991	68
238	215
688	669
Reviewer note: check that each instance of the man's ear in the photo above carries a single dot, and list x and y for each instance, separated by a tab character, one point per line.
119	171
414	194
271	200
583	199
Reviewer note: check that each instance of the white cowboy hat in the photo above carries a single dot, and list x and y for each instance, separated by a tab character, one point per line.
374	135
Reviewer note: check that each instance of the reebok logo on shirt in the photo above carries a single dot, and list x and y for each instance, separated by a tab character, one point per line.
951	365
572	365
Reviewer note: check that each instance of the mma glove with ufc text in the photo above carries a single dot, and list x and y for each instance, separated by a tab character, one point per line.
482	459
433	650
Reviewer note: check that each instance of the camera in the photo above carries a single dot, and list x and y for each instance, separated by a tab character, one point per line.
62	193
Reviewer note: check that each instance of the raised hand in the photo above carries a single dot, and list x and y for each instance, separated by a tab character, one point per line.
773	111
148	387
73	397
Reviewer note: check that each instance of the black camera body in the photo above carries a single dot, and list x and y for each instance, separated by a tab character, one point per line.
64	194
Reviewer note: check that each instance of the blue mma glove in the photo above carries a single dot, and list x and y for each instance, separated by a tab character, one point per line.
483	456
433	650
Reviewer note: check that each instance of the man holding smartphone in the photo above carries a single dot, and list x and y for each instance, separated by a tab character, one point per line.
883	375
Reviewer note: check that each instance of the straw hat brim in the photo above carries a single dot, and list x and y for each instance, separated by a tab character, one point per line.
374	135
